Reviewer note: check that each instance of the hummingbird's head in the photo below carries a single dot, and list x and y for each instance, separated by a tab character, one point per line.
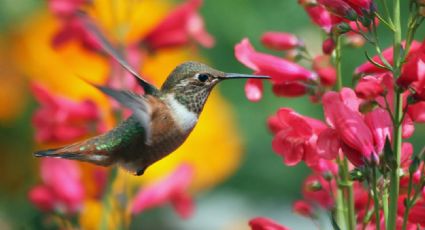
194	76
192	82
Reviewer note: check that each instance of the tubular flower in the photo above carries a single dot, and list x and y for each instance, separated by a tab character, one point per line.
337	7
171	189
284	73
280	40
254	89
62	189
303	208
263	223
369	87
62	120
180	25
295	141
320	16
360	137
326	71
417	112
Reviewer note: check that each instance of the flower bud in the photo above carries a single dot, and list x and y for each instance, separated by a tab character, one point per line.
328	46
314	186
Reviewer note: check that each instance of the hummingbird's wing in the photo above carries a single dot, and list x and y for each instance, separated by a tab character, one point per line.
140	107
107	46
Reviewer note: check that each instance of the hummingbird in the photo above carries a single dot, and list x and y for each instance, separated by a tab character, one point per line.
161	119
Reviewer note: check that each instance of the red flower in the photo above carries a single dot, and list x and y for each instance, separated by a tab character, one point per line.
254	89
295	141
326	71
337	7
280	40
369	87
417	112
328	46
181	25
172	189
62	120
263	223
303	208
320	16
62	190
284	73
65	8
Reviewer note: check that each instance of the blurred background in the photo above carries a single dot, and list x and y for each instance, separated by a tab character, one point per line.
238	176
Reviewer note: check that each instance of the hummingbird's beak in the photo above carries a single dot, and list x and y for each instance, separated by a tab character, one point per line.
239	75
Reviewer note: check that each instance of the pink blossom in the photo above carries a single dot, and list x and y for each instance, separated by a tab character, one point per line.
359	136
359	5
303	208
337	7
171	189
289	89
328	46
369	68
326	71
296	140
65	8
62	120
369	87
62	189
279	69
180	25
320	16
417	112
254	89
73	29
280	40
263	223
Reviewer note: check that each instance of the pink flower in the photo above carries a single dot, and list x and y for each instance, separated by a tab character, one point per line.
303	208
369	87
361	137
263	223
73	29
289	89
280	40
326	71
62	189
296	140
328	46
171	189
320	16
181	25
337	7
359	5
284	73
65	8
369	68
417	112
254	89
62	120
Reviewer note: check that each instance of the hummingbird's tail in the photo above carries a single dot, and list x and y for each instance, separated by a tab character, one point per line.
76	152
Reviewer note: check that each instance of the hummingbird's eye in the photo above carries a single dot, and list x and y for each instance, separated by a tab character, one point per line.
202	77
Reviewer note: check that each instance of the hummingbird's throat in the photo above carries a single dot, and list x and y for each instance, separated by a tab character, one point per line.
182	116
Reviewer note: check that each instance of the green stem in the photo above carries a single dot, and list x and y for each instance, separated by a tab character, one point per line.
375	199
346	186
395	172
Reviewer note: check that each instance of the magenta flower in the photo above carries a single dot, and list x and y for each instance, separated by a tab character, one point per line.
328	46
320	16
349	127
263	223
73	29
181	25
337	7
303	208
280	40
369	87
284	73
326	71
62	120
65	8
296	139
62	189
254	89
171	189
417	112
